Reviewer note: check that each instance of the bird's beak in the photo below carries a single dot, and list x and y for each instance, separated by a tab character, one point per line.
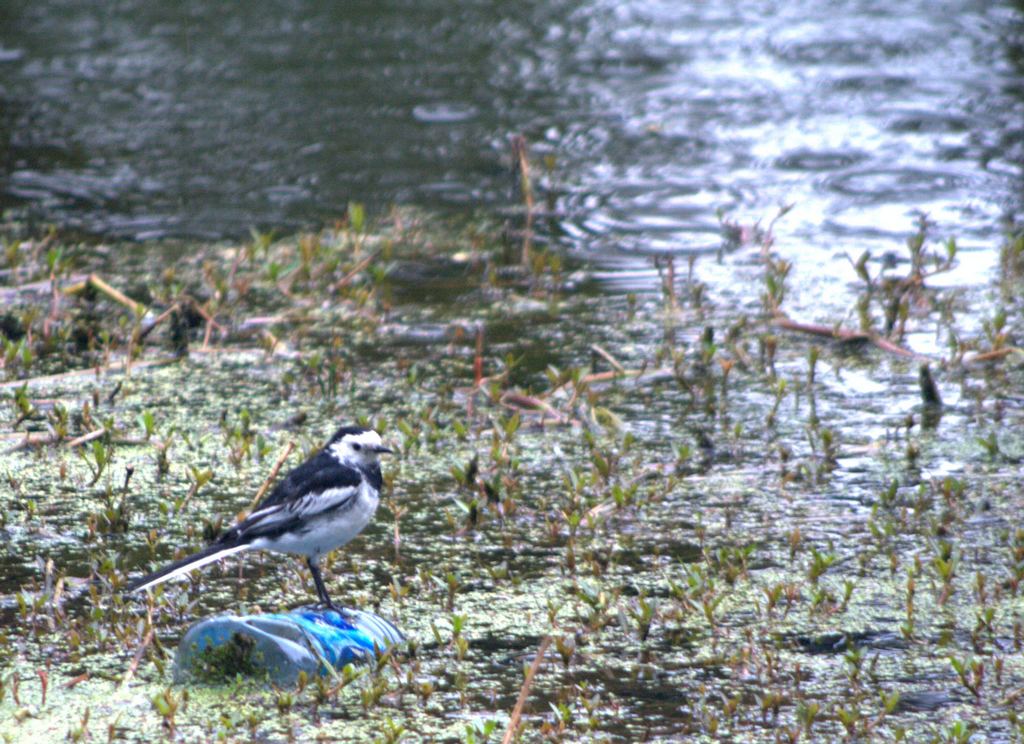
383	450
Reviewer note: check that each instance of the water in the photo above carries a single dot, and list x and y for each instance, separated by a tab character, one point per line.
141	121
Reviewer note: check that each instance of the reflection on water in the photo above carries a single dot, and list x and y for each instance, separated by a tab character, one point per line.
203	119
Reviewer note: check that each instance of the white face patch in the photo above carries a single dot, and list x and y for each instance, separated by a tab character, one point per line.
357	448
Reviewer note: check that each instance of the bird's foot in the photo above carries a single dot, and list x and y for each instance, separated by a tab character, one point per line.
345	613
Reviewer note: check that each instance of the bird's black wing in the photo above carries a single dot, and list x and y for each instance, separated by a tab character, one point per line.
317	473
327	487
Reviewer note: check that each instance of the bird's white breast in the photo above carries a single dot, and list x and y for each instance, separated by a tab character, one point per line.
329	530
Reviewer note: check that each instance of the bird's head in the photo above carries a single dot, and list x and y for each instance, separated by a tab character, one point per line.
356	446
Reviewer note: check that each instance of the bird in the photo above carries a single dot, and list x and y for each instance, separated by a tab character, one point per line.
317	507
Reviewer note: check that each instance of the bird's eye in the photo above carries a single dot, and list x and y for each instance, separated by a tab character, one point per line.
357	447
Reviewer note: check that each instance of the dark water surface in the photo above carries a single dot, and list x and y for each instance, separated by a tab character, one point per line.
203	119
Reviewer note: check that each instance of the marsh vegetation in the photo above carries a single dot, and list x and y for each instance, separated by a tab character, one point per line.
738	510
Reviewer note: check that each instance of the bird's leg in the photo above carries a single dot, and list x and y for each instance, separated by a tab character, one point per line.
321	589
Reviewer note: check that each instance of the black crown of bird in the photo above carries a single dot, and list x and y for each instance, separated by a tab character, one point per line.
315	508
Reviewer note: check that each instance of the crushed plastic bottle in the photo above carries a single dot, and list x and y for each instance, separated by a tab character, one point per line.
279	646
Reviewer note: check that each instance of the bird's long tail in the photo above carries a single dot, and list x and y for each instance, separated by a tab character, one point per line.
196	560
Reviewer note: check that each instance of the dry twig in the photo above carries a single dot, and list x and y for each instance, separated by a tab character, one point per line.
138	657
845	335
524	692
273	474
112	367
97	282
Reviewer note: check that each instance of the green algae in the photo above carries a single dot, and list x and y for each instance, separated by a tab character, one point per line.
231	660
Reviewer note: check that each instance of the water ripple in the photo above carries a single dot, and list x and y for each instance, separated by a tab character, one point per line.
653	116
818	160
895	184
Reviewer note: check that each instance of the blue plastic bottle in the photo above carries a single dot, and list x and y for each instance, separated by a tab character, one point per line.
280	645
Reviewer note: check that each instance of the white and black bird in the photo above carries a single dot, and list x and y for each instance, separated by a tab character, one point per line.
317	507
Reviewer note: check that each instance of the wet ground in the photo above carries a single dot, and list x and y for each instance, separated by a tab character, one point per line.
729	529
